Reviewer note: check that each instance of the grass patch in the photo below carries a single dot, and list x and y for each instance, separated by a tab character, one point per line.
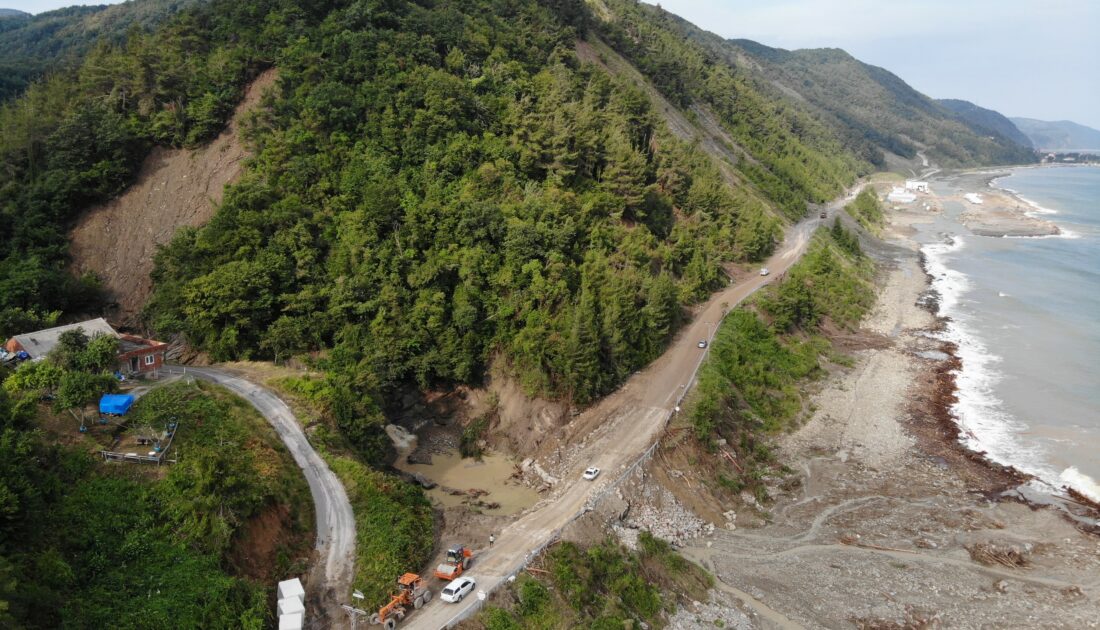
394	527
602	586
750	385
867	210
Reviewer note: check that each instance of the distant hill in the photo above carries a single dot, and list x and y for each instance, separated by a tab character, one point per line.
1059	135
978	117
31	45
878	110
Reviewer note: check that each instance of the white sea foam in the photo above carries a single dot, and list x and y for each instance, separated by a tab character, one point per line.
984	424
1080	482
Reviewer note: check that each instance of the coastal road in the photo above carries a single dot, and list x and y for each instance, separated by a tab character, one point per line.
333	568
615	435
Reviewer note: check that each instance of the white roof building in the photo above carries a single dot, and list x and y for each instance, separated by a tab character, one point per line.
39	343
913	185
900	195
973	198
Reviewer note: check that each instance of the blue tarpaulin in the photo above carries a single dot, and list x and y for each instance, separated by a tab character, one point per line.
116	404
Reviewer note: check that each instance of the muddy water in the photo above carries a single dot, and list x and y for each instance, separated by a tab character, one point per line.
491	474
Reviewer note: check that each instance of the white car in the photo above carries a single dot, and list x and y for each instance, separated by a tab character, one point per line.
764	271
702	343
591	473
457	589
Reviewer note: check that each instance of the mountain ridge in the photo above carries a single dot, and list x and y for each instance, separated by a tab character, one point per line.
983	118
34	45
1058	135
879	110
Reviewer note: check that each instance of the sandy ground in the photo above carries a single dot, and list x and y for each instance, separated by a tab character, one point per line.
175	188
879	532
1000	213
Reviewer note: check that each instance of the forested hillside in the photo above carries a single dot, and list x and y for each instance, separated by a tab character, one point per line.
987	120
422	204
435	185
876	110
792	157
31	45
78	137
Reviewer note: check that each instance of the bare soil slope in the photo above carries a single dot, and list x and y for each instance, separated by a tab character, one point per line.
175	188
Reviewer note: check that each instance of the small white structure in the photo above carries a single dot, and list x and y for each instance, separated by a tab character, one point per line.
290	606
973	198
291	622
913	185
292	588
900	195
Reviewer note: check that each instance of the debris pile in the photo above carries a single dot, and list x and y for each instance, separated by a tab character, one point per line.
711	614
1009	555
659	513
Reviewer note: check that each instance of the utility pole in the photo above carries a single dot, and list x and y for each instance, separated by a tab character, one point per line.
352	611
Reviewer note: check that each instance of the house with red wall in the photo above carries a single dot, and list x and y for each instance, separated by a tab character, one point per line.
136	355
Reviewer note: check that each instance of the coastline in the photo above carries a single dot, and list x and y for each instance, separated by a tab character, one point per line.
978	410
889	513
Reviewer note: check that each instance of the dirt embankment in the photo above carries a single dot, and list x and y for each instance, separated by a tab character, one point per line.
175	188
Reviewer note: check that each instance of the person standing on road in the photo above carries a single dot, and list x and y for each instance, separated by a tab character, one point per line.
492	539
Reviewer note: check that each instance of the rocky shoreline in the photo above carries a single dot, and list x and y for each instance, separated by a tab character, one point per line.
1006	482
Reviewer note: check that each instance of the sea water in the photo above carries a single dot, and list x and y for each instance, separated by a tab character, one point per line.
1025	314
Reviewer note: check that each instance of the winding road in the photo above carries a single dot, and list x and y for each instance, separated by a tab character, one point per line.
627	424
332	572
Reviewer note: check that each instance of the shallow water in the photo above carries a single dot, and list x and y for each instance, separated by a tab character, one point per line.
492	474
1026	315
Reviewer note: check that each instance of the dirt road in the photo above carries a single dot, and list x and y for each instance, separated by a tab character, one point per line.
333	569
614	435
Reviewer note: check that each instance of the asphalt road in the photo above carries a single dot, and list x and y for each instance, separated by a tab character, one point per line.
628	423
334	564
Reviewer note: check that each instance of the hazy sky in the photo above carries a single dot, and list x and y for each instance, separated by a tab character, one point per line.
1031	58
38	6
1034	58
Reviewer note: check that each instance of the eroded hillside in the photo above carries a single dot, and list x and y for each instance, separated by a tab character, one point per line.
175	188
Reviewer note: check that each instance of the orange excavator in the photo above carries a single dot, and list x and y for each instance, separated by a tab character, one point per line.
458	560
413	591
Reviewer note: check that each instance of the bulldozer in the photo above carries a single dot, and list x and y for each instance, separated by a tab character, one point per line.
413	591
458	560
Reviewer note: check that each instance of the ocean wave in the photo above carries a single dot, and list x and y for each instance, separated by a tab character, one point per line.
1080	482
1036	209
948	283
984	425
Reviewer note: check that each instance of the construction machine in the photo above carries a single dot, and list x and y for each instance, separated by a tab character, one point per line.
458	560
413	591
